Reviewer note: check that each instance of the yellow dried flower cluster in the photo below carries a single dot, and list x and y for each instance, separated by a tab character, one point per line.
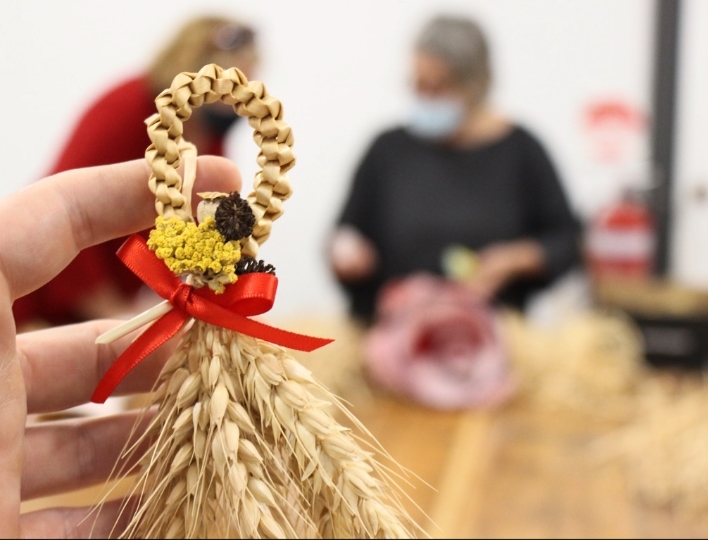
195	249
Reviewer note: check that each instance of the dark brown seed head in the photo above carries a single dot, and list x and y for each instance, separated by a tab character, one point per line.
234	217
248	265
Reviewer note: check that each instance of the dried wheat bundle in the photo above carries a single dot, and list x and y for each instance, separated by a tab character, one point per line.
243	442
591	364
663	449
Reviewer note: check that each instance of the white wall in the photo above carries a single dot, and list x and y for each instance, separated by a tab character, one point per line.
689	242
340	68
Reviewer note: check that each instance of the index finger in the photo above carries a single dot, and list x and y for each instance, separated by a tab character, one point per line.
47	224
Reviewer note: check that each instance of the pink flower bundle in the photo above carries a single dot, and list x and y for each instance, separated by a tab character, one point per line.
436	343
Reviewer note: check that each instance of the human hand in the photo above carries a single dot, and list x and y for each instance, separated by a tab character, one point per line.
352	255
501	263
45	226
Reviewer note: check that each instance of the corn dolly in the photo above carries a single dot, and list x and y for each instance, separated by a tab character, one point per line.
243	442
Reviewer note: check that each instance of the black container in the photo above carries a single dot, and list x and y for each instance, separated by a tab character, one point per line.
674	341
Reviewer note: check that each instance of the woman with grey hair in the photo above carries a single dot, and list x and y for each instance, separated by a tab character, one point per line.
457	174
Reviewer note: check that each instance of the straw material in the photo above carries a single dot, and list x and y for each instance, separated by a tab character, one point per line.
244	442
591	364
663	449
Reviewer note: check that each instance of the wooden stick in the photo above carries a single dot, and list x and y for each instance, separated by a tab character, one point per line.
136	322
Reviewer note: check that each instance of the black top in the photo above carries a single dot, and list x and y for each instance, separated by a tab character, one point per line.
413	198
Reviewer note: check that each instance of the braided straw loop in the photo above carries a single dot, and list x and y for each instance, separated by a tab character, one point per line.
272	135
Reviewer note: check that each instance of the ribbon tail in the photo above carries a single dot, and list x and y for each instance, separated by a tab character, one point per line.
157	334
220	317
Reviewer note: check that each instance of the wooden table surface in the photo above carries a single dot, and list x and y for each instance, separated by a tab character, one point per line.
513	473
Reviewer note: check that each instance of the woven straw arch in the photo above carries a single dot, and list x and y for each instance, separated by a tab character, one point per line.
168	149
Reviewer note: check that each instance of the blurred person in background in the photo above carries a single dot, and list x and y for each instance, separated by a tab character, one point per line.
112	130
458	174
458	180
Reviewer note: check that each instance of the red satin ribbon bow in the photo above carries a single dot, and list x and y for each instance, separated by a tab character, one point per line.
252	294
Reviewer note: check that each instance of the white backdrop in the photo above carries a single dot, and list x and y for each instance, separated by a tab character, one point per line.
689	254
340	68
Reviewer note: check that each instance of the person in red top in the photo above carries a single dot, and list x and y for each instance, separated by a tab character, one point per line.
112	130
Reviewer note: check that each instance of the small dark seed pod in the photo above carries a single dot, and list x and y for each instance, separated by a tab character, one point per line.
234	217
249	265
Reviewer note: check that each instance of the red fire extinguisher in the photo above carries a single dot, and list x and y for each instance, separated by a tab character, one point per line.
620	240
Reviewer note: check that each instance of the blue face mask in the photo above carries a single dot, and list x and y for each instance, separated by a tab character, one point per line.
435	119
